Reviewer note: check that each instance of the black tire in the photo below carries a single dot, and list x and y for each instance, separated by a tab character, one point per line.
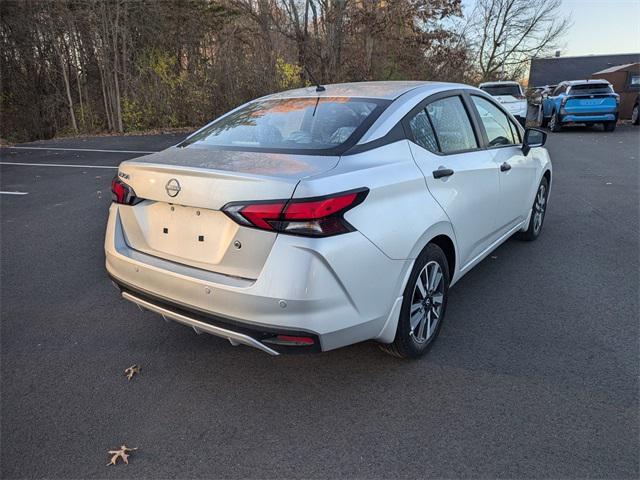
544	123
405	344
533	230
554	123
635	114
609	126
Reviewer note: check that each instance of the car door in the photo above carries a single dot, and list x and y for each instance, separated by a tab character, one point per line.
517	172
549	102
459	174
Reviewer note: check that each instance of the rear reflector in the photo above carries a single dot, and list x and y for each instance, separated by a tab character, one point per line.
313	217
289	340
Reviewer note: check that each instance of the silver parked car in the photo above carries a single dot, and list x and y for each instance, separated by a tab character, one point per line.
321	217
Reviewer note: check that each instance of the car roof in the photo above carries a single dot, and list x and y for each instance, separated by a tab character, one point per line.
387	90
489	84
572	83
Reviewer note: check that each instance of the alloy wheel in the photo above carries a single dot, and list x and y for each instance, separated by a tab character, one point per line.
427	302
634	115
539	207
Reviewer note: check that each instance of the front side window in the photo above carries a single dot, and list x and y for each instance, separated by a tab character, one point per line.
306	124
452	125
422	132
496	123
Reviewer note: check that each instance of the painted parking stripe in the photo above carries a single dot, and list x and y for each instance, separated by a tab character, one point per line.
14	193
57	165
80	150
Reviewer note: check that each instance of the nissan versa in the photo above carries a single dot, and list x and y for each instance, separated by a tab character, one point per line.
325	216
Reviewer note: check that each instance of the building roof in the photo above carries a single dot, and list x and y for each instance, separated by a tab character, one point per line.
551	71
617	69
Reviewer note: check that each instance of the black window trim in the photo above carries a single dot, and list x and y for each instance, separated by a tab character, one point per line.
402	131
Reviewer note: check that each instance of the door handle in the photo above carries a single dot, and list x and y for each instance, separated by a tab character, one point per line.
505	167
442	172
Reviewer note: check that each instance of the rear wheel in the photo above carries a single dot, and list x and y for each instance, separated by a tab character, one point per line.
635	115
554	123
538	212
609	126
423	306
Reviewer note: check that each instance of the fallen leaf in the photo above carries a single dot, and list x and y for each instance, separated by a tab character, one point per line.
122	453
131	371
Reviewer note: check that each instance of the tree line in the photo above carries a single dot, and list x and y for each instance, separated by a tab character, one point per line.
89	66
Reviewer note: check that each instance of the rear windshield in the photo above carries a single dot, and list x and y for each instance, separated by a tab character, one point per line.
308	125
590	89
502	90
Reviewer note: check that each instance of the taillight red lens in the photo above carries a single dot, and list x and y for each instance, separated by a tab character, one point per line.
314	217
260	214
123	193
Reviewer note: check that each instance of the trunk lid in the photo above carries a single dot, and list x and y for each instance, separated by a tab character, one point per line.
185	188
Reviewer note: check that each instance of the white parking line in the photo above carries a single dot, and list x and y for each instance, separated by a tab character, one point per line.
79	150
14	193
57	165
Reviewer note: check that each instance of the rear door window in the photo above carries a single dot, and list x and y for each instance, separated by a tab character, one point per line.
422	131
452	125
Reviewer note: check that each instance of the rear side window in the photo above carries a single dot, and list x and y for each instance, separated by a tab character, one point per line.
422	131
452	125
499	129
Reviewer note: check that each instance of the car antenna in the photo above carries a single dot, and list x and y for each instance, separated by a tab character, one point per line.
319	88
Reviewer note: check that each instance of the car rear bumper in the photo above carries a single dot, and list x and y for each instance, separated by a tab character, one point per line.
588	117
339	290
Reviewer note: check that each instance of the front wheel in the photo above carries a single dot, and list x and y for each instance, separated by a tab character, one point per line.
609	126
423	306
538	212
554	123
635	115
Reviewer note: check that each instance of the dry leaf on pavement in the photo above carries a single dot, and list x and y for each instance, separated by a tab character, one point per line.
122	453
131	371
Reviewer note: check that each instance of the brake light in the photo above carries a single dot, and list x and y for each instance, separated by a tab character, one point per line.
313	217
123	193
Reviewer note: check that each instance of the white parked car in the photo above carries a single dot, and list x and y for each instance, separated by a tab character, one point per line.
510	95
311	220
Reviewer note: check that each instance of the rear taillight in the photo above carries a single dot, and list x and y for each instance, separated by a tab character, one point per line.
123	193
312	217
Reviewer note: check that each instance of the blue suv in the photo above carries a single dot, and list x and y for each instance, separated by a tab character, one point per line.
581	101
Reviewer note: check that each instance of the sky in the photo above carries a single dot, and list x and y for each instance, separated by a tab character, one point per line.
598	26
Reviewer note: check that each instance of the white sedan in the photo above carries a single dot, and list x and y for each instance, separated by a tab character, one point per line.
320	217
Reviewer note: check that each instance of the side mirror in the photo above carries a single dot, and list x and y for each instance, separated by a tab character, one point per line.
533	138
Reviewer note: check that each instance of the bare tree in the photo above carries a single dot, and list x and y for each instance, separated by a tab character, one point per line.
507	34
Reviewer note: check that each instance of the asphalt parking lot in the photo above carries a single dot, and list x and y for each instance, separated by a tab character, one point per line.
535	374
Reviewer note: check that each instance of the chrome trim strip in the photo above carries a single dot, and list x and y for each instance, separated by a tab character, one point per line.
233	337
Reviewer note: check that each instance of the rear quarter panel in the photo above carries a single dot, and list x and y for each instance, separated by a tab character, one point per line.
398	211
